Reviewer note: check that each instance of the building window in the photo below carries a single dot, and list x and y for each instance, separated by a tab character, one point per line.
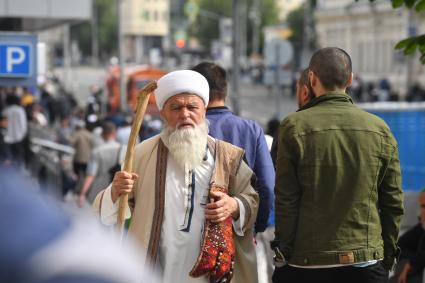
155	16
146	16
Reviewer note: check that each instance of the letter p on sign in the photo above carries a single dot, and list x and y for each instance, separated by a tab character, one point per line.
15	56
15	60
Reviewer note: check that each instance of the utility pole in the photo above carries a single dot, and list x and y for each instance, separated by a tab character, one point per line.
255	15
306	52
66	56
236	50
243	28
412	31
123	93
94	36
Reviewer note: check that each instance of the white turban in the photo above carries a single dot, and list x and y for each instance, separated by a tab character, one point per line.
181	81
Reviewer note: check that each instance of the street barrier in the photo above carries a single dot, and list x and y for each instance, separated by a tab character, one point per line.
51	160
407	122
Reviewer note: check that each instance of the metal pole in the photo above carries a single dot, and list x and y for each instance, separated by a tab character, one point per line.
409	60
256	29
123	92
94	36
66	57
243	28
276	80
306	52
236	50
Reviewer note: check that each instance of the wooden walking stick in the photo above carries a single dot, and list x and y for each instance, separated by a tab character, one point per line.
142	103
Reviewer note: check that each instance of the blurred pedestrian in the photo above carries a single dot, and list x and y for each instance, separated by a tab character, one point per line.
42	243
123	131
82	142
247	134
64	132
94	102
5	155
37	116
411	264
102	159
272	127
17	129
339	200
356	89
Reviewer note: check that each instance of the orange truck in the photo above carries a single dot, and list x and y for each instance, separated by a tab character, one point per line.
136	78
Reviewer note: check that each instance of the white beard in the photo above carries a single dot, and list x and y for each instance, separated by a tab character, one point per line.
187	146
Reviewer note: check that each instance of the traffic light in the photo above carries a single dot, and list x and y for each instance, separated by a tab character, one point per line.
180	43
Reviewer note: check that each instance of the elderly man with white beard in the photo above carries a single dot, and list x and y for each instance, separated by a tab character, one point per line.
173	196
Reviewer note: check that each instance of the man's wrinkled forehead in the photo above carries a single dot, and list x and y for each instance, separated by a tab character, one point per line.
182	99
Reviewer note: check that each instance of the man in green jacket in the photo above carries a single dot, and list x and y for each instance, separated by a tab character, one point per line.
338	185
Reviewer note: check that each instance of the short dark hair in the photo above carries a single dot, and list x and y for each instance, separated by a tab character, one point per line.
13	99
332	66
303	80
216	77
108	128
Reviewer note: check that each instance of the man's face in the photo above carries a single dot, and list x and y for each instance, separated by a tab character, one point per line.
422	207
184	111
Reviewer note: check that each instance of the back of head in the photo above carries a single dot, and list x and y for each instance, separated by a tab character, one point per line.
216	77
332	66
13	99
108	128
303	80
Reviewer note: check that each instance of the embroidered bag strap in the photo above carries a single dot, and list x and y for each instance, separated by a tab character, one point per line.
228	160
158	216
216	257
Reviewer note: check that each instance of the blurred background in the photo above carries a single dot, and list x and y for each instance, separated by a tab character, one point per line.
73	64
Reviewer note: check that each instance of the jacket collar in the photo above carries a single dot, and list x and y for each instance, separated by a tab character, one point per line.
333	96
218	109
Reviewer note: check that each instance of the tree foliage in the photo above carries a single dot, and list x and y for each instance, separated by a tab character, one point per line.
107	30
206	29
411	44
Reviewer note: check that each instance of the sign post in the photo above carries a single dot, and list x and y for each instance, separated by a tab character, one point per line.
278	54
18	60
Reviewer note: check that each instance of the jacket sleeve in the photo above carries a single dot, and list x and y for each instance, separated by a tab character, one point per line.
287	191
390	197
265	174
243	191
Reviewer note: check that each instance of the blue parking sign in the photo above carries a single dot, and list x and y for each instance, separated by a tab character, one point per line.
15	60
18	59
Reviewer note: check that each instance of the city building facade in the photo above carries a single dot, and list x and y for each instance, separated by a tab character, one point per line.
145	28
369	31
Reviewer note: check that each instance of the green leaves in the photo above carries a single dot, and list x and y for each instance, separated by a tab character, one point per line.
411	44
418	4
409	3
397	3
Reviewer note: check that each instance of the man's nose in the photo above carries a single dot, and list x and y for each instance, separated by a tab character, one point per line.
184	113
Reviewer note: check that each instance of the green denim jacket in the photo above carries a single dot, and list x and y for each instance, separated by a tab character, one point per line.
338	185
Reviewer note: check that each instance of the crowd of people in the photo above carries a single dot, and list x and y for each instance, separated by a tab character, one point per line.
212	198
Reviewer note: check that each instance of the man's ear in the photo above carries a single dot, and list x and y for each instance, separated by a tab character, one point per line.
350	80
312	78
305	96
161	113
